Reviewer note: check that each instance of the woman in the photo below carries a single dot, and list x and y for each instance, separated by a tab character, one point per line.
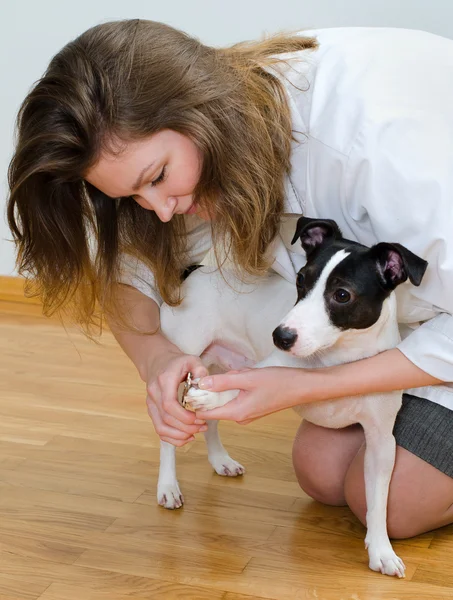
141	148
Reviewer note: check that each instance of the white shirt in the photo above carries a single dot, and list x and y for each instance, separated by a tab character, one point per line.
373	108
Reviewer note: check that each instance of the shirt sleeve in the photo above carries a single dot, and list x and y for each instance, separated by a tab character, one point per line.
430	347
399	188
135	273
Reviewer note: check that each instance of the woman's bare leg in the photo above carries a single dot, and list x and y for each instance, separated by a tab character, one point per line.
329	467
321	459
420	496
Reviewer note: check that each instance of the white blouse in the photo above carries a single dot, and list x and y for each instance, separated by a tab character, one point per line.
372	112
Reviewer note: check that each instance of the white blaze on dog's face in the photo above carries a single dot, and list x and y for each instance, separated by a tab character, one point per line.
310	319
343	288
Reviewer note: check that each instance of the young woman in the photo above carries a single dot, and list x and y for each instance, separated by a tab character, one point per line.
141	148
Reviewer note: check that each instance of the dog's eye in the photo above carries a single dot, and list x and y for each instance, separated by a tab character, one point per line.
341	296
300	280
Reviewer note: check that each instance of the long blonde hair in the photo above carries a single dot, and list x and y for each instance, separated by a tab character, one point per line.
130	79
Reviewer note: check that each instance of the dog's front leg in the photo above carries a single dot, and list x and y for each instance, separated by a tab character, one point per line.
379	462
219	458
168	492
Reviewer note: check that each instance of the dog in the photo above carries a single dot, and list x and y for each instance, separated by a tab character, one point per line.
343	309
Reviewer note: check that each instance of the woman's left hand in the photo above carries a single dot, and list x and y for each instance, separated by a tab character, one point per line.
263	392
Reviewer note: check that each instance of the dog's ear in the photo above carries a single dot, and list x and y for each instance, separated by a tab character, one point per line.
314	232
395	264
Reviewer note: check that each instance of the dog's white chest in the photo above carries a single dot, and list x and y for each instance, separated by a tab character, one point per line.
336	414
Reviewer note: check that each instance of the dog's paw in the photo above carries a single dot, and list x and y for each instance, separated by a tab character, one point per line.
169	495
226	466
384	560
203	400
197	399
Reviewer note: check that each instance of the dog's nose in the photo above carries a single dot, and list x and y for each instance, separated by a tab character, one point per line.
284	337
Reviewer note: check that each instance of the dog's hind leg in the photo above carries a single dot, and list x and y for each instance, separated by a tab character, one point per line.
168	492
219	458
379	462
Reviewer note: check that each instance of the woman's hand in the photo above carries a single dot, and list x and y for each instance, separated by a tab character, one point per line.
263	392
172	422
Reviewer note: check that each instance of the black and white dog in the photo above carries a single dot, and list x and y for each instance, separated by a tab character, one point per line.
345	311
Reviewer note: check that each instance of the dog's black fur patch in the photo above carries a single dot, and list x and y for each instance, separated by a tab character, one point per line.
355	277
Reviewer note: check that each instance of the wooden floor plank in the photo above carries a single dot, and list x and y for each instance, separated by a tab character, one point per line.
162	591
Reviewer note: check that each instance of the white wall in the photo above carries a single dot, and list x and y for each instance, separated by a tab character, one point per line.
32	31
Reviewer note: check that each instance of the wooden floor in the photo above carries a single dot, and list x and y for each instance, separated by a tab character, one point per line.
78	514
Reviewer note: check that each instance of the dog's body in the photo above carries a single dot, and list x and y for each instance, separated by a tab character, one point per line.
344	311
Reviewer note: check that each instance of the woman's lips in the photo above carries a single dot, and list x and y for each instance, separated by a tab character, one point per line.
192	209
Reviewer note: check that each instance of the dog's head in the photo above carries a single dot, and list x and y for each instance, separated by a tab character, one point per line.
342	287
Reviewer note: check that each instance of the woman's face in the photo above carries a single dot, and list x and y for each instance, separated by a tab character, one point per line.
160	173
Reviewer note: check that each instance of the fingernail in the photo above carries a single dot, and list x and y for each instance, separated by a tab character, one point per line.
199	422
204	428
205	383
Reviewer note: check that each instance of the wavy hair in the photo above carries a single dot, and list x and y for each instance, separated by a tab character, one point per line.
127	80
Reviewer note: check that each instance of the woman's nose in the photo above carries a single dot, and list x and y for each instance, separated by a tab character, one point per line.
161	205
165	210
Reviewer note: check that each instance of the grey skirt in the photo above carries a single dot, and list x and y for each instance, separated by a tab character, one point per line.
426	429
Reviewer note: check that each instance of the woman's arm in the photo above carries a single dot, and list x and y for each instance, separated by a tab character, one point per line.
271	389
387	371
145	351
161	365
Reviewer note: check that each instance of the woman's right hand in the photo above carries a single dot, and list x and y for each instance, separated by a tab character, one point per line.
173	423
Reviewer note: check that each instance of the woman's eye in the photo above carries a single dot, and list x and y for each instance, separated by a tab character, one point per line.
160	178
341	296
300	280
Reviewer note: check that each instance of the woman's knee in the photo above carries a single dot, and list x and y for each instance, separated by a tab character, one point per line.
319	487
320	469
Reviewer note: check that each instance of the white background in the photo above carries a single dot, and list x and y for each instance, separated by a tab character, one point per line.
32	31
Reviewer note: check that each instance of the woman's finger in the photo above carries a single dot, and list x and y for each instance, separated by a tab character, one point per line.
197	370
162	429
169	401
226	381
189	429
